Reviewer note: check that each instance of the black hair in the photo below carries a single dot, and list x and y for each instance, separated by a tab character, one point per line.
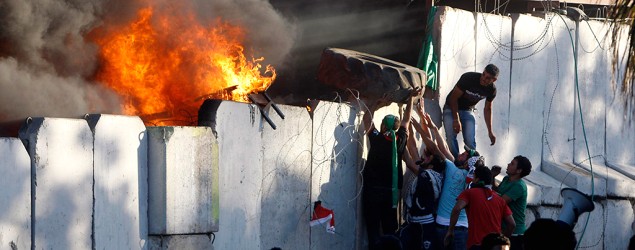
524	164
492	69
483	174
438	165
494	239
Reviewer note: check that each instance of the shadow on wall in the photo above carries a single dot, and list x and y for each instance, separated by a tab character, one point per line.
15	183
340	192
75	207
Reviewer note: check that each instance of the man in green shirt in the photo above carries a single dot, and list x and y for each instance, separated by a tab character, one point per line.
514	191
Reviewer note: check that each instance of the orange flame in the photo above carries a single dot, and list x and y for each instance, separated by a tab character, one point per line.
165	66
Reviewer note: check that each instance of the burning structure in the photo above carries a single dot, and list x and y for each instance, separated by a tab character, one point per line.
154	59
268	178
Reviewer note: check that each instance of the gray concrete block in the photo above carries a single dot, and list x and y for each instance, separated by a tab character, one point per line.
182	162
625	169
591	228
617	185
121	181
239	128
549	188
15	183
335	172
619	220
61	153
178	242
286	180
576	177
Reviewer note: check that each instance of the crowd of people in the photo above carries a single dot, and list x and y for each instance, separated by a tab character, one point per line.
454	201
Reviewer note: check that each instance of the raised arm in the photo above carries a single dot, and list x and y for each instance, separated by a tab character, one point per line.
431	146
405	122
411	144
410	163
488	121
440	141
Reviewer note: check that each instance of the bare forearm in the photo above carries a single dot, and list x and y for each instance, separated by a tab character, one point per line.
443	146
488	119
410	163
412	147
407	114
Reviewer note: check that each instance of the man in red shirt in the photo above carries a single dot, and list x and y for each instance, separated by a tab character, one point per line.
485	210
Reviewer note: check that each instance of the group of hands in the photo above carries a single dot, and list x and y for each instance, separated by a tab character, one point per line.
416	96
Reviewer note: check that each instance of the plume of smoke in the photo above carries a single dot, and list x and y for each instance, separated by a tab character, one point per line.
269	34
26	92
47	64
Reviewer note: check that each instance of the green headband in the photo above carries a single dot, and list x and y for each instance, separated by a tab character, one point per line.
389	121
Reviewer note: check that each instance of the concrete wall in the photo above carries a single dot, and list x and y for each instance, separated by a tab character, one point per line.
61	153
120	191
181	160
537	114
286	182
335	173
240	175
93	182
15	183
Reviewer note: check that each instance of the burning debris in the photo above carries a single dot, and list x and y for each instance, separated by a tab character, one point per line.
153	59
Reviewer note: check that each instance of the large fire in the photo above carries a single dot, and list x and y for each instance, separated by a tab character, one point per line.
166	65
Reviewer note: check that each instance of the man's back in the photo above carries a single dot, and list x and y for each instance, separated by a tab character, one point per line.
485	212
453	185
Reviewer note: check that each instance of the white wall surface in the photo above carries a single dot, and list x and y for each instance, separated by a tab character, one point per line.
180	180
15	183
239	128
457	49
286	202
526	91
620	128
594	74
335	173
120	174
558	99
61	153
493	45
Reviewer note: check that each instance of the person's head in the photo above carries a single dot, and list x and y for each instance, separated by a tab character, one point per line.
483	174
490	74
495	241
433	162
520	166
462	158
389	122
547	233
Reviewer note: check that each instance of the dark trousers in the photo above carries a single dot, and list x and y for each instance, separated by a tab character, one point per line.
417	236
380	216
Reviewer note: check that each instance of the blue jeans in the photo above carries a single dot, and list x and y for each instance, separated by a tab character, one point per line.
468	128
460	237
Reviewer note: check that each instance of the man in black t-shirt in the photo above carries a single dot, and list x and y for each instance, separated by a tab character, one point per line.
382	173
458	111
